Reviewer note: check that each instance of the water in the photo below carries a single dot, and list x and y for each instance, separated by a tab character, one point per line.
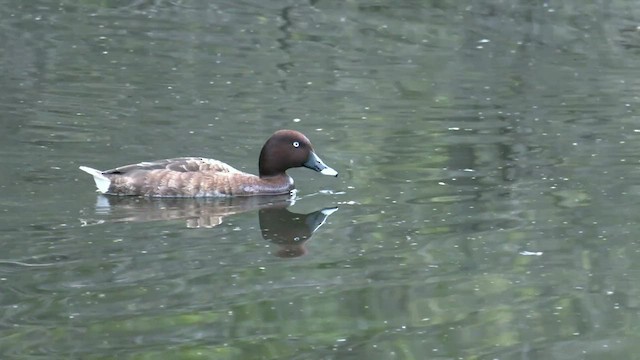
487	197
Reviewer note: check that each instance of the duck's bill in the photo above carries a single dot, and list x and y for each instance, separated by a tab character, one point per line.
315	163
328	211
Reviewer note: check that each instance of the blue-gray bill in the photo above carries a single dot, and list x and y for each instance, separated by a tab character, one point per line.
315	163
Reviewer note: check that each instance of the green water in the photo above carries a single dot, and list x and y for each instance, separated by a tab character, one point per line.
487	199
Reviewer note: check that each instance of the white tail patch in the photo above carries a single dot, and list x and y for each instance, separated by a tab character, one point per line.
102	182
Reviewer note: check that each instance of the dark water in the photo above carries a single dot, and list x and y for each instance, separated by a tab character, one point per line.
487	203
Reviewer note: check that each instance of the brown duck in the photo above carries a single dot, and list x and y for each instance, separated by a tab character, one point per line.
202	177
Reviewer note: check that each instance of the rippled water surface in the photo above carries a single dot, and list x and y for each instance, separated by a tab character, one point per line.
486	207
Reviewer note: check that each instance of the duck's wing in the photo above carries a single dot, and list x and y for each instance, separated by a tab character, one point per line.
182	164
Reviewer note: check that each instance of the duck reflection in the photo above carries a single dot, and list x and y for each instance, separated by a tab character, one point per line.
288	230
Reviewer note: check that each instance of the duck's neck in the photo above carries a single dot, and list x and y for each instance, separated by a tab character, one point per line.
273	185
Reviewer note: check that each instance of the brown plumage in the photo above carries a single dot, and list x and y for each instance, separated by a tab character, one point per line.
202	177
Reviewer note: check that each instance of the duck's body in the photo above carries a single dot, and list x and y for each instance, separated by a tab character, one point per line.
202	177
186	177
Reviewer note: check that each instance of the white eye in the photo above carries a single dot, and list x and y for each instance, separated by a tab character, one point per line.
296	144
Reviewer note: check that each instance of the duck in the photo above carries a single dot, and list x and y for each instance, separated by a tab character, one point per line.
204	177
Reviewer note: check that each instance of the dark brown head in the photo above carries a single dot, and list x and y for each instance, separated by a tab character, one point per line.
288	149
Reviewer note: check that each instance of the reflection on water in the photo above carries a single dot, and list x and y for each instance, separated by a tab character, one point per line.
288	230
197	212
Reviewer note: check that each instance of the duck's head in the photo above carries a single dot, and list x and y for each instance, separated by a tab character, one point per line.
288	149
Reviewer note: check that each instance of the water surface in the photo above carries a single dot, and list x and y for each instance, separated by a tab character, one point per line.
487	198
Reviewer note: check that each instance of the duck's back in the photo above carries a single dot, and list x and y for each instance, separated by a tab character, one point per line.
181	164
